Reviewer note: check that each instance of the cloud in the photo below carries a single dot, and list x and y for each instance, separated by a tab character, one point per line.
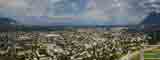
130	11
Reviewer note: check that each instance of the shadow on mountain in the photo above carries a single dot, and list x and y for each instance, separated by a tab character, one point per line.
151	22
151	25
7	24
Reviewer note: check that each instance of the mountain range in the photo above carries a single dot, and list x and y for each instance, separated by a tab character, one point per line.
9	24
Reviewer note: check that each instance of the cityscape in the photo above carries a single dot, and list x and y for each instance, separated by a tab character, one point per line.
81	44
79	30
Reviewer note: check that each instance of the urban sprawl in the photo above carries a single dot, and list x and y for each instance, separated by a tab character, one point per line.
69	45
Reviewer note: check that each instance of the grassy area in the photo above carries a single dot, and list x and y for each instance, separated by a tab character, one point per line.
149	55
152	55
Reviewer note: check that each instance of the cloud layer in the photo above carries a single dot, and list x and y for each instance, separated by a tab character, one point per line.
104	12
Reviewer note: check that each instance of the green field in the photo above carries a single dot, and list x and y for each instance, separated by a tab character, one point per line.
149	55
152	55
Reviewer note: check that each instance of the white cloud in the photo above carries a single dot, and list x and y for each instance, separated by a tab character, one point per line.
119	8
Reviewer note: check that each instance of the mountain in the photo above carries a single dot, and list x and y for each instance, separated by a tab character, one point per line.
6	21
152	18
7	24
151	22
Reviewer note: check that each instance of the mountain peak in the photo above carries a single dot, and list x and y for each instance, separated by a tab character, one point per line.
5	20
152	18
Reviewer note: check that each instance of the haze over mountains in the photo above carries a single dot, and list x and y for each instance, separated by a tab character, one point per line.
152	18
150	23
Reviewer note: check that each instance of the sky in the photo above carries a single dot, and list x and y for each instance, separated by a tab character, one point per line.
78	12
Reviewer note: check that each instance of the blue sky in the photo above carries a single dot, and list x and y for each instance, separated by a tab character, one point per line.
77	12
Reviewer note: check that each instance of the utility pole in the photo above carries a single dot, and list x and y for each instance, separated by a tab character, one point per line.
141	54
